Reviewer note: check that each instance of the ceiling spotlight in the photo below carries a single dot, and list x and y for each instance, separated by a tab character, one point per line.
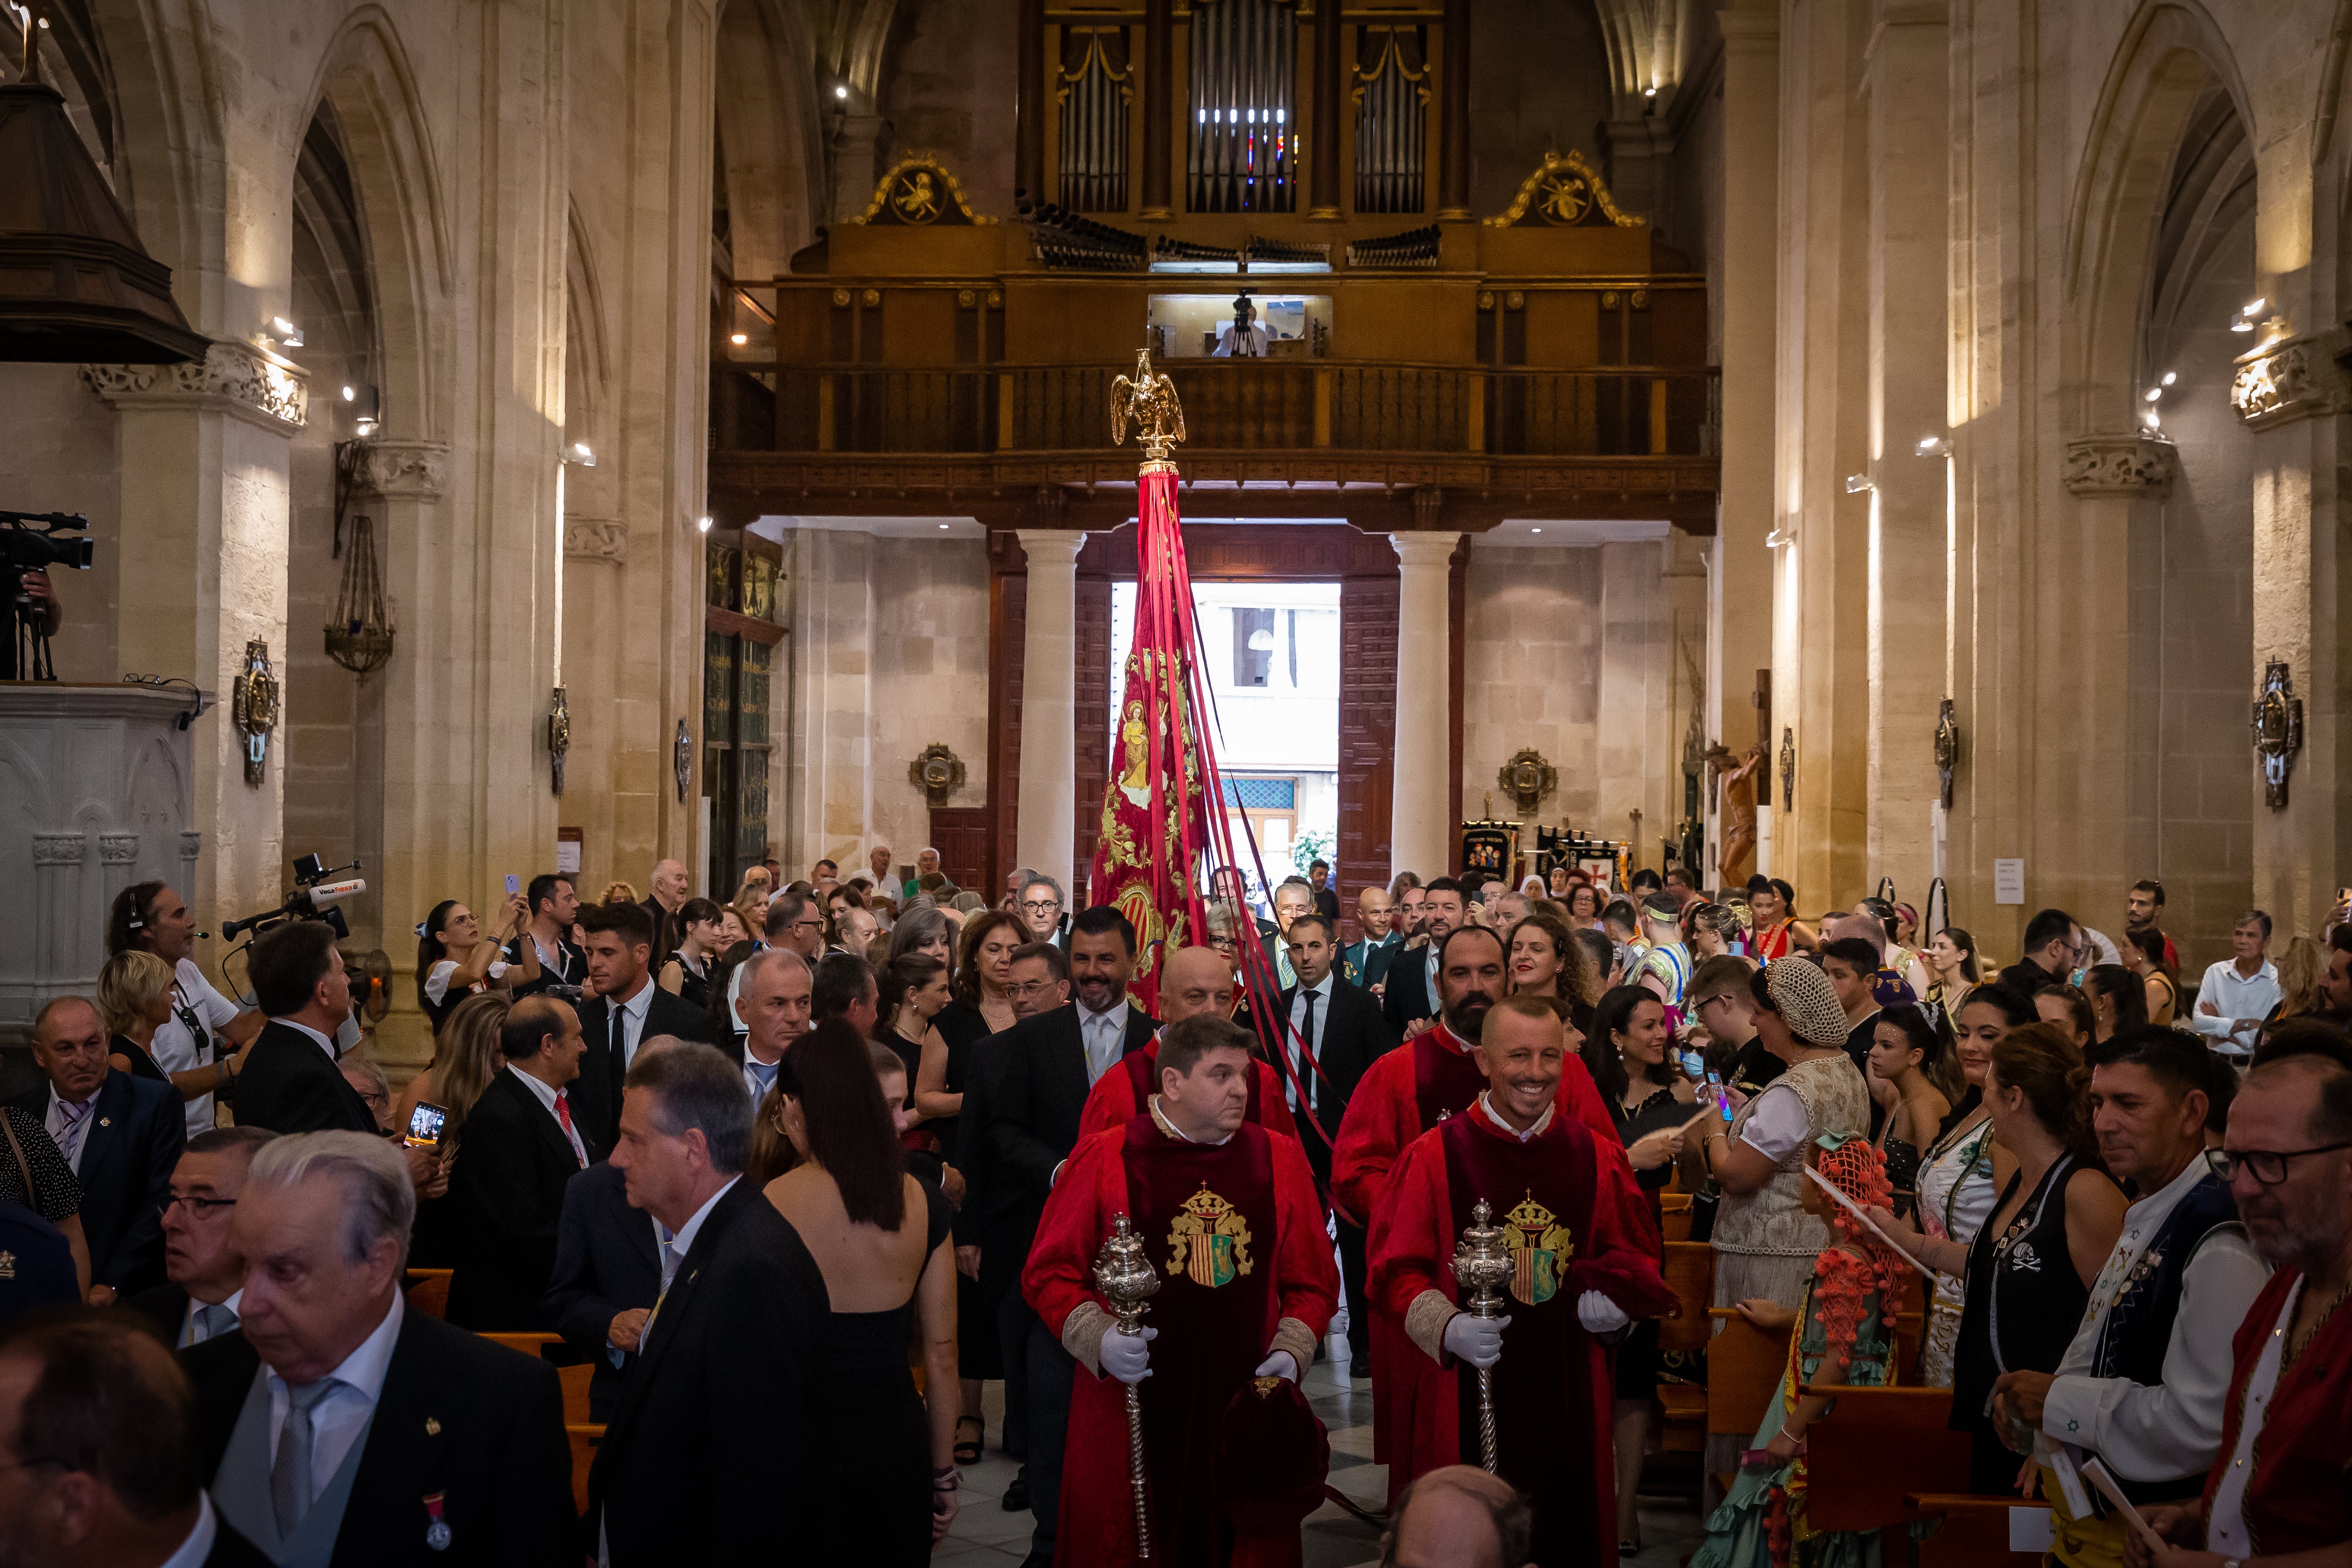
366	427
350	393
2241	325
1857	483
943	528
841	89
2154	422
702	523
2154	393
1935	446
1649	92
1535	531
2169	377
739	338
287	332
580	455
2256	306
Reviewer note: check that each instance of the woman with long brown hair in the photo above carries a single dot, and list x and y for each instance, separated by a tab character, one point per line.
888	1482
466	1056
2029	1268
1543	956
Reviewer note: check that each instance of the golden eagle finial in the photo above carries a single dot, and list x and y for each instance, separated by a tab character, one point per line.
1149	398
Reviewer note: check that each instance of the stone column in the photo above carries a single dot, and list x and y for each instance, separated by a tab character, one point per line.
204	454
1046	830
1421	839
854	156
1743	565
1909	138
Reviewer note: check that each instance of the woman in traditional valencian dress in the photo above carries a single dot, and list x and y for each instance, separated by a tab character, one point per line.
1962	1172
1840	1333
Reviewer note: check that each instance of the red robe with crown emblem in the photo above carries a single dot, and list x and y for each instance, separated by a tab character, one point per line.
1563	1196
1122	1092
1236	1230
1404	1094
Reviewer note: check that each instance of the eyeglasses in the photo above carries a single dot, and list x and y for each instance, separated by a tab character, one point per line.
1703	1003
200	1207
2265	1166
1041	906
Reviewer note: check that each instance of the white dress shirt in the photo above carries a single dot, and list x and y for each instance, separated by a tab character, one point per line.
199	1543
2225	1525
2234	996
324	1042
192	1331
59	1119
758	1083
1304	1073
547	1097
174	1046
1531	1133
339	1418
2158	1432
1160	1119
1103	1035
673	1247
633	1022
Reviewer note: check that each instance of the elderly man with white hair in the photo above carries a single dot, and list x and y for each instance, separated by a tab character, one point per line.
337	1425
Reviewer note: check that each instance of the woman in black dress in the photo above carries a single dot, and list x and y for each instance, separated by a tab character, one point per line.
1626	1054
2029	1271
1908	1053
687	976
888	1485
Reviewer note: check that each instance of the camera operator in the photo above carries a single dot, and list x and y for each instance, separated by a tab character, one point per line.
290	1081
199	1047
37	588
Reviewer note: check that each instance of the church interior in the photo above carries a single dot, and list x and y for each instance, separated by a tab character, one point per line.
1887	446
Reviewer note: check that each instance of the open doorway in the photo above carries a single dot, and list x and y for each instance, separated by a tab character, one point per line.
1272	666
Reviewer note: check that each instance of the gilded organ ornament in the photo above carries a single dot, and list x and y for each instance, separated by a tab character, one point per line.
1565	191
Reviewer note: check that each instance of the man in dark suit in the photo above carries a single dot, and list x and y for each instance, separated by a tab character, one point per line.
205	1278
1365	962
335	1425
1412	988
708	1455
1047	1066
121	1134
288	1082
607	1276
627	1009
671	886
97	1451
1343	1033
521	1150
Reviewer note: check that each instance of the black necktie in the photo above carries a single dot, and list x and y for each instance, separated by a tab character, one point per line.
1306	1054
620	1053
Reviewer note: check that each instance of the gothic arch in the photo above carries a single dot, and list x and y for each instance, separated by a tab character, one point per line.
364	74
771	141
2170	60
167	164
587	357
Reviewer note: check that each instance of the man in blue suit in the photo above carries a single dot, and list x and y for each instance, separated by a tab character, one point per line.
121	1134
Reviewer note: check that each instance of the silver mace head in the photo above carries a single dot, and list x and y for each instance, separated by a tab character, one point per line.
1482	1262
1124	1274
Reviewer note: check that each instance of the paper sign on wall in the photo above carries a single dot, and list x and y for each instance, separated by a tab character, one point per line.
567	851
2009	881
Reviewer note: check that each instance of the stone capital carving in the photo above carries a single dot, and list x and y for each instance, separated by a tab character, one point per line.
404	470
595	539
2291	379
118	849
58	849
231	378
2129	466
192	844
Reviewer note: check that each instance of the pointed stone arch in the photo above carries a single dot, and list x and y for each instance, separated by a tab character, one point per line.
771	138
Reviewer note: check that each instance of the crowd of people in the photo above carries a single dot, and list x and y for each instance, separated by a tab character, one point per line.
797	1175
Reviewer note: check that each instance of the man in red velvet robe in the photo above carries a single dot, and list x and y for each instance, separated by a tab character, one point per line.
1410	1090
1230	1215
1581	1276
1193	982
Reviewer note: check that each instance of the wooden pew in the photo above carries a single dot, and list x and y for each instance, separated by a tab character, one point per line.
530	1345
575	1381
1743	1367
1674	1216
584	1438
1877	1447
1689	1271
428	1290
1975	1532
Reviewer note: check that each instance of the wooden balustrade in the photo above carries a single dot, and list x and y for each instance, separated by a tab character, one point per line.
1230	406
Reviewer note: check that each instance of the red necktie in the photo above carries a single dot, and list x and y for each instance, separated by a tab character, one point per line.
563	1114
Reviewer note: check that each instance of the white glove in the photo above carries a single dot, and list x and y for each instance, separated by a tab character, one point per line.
1281	1363
1598	1315
1478	1341
1126	1356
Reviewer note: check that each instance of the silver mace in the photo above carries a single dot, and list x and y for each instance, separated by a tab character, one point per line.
1482	1261
1124	1274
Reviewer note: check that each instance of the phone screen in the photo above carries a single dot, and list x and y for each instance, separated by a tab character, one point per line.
424	1124
1722	1100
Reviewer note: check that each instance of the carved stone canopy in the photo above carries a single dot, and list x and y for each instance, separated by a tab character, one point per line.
232	377
2132	467
2292	378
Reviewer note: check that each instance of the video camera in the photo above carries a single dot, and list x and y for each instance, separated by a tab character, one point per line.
30	542
313	899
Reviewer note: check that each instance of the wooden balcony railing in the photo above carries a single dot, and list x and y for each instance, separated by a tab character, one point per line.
1273	405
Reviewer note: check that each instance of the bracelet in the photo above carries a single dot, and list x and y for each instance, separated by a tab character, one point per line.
1792	1436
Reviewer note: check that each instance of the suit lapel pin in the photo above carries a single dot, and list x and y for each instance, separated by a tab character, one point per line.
105	1122
436	1533
431	1427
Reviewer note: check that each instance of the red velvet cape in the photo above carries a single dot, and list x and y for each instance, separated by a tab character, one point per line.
1404	1094
2297	1499
1113	1101
1412	1250
1136	1170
